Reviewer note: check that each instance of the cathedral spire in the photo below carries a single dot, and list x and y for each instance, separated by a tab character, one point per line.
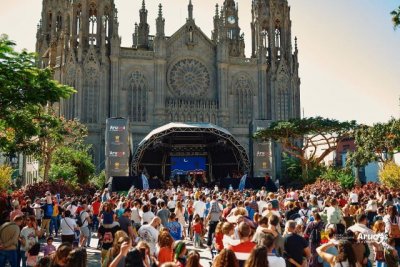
160	10
143	28
160	22
190	10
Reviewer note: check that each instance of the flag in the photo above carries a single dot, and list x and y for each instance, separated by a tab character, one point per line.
242	182
145	182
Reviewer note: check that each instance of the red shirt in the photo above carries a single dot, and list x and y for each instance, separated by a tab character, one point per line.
165	255
78	210
96	207
243	250
197	228
218	241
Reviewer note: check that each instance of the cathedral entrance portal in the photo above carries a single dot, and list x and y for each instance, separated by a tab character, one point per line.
196	153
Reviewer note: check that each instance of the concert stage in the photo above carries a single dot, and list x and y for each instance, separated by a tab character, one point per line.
251	183
124	183
190	152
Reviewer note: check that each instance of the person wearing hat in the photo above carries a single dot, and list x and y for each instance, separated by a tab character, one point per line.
126	224
37	210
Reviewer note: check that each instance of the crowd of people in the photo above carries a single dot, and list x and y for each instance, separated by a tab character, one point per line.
319	225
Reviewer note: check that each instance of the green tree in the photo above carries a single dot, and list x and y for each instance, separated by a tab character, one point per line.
343	176
297	136
376	143
291	167
99	180
25	91
72	164
53	133
5	177
390	175
396	17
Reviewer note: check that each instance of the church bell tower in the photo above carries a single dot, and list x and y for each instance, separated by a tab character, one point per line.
272	43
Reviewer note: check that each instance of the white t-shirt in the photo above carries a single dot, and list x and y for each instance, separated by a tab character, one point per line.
353	197
229	241
147	217
28	233
276	261
261	205
72	209
135	215
84	217
171	204
37	209
67	226
199	208
305	213
149	234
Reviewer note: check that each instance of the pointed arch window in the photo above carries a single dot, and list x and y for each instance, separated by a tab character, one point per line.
283	104
93	24
50	20
106	23
264	38
244	100
277	37
137	97
58	22
69	104
78	22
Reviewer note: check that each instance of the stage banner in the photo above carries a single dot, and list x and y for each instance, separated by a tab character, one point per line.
117	149
261	151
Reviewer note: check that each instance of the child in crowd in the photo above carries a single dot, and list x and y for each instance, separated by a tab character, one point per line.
197	230
228	229
218	237
49	248
32	255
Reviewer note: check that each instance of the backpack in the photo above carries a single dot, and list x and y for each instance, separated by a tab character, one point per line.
79	221
394	231
315	235
49	210
294	216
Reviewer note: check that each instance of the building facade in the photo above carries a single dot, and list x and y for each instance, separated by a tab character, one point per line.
186	77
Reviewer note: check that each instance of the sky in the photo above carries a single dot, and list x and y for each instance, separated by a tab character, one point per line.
349	53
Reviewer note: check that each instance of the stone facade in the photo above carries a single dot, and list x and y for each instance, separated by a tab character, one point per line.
186	77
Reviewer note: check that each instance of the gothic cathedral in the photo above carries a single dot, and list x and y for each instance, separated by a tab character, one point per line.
186	77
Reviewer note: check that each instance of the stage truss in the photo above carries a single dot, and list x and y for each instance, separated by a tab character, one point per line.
171	128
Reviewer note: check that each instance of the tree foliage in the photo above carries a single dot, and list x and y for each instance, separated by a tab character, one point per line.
99	180
55	132
297	136
376	143
396	17
5	177
390	175
72	164
343	176
25	91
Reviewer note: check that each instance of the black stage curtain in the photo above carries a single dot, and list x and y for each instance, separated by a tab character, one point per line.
124	183
251	183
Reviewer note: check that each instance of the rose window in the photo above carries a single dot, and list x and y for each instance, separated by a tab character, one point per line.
189	77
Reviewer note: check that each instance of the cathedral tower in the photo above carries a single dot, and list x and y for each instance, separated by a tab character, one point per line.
272	42
78	39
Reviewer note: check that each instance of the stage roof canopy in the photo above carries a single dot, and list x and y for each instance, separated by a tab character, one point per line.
172	125
178	128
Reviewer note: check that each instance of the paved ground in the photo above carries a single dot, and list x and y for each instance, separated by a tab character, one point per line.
94	254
